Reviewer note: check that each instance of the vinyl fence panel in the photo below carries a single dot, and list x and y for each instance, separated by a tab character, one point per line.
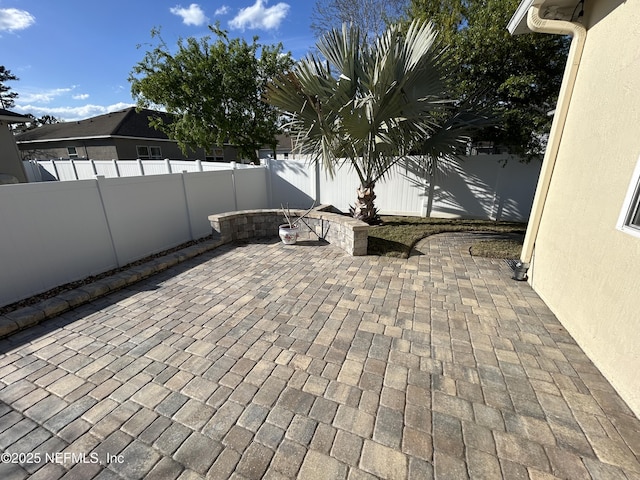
484	186
129	168
339	191
462	190
251	188
51	233
50	168
146	214
85	169
515	188
66	170
106	168
215	166
208	193
154	167
292	182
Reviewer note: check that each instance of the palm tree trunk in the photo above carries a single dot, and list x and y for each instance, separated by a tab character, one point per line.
364	208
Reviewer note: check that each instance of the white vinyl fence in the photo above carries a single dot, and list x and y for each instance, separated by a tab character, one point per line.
491	187
53	233
69	169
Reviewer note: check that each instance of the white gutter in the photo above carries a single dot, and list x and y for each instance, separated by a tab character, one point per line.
516	25
579	34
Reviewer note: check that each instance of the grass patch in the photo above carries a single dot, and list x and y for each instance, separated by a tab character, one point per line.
397	236
497	249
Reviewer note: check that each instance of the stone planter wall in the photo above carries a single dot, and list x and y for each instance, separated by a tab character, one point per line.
347	233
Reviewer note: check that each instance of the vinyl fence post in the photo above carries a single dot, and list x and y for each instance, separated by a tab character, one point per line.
55	169
93	167
233	182
316	183
140	167
167	164
99	185
496	207
115	167
186	203
73	169
199	165
429	190
268	174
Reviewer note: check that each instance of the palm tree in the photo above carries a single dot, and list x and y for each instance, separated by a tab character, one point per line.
370	105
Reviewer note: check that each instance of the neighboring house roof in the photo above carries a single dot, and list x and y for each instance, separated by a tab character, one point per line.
123	123
12	117
127	123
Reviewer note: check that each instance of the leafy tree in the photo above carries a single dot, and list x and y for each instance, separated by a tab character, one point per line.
212	89
35	122
47	120
520	75
370	106
371	16
7	97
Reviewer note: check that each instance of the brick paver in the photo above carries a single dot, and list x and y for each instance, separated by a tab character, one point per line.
265	361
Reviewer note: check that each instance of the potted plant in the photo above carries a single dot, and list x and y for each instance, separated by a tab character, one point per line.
289	231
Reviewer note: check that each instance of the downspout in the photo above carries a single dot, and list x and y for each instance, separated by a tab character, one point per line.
579	35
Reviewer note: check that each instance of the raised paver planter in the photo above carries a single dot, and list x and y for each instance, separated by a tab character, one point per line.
345	232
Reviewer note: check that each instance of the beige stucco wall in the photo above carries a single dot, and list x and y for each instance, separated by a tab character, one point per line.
586	270
10	162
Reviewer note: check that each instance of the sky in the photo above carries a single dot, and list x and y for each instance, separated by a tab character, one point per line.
73	57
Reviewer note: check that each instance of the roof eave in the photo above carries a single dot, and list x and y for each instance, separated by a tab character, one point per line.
518	23
14	119
94	137
62	139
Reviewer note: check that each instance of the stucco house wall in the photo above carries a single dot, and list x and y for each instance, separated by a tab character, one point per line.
58	149
584	268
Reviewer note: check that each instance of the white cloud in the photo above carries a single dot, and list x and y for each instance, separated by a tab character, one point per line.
194	15
43	96
80	96
12	19
259	16
223	10
71	114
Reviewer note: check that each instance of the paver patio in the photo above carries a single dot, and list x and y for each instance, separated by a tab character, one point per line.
265	361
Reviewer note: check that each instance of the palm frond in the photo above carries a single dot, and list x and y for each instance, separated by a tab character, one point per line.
372	104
